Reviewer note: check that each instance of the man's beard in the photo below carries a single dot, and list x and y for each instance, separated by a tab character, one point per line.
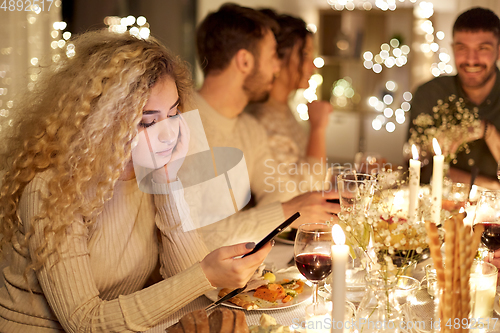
255	86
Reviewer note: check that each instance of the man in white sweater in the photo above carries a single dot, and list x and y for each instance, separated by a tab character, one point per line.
237	53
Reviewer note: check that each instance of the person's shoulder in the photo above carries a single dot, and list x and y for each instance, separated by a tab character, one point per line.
256	109
250	125
246	119
445	82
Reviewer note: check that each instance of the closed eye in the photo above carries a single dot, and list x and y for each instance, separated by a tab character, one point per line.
146	125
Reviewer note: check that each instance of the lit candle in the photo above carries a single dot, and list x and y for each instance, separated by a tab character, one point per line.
339	263
414	180
437	182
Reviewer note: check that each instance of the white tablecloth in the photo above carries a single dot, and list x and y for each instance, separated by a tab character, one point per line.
278	259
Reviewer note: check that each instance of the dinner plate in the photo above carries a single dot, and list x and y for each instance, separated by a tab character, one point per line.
213	295
284	237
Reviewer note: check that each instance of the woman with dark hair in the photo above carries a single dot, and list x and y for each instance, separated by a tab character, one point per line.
303	157
83	238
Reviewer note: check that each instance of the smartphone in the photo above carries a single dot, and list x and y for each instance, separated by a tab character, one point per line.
273	234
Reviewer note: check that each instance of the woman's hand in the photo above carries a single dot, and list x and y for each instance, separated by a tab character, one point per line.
223	270
319	111
168	173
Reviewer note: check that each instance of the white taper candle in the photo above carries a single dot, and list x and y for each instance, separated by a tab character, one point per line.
340	252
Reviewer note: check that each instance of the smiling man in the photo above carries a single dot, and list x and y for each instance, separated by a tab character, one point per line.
476	47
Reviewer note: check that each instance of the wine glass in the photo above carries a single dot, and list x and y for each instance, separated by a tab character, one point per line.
488	214
313	250
356	191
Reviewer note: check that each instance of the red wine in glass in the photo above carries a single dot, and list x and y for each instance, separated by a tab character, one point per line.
491	236
314	266
312	253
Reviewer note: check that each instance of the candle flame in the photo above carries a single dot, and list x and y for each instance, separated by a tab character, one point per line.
435	145
473	192
462	210
338	235
414	152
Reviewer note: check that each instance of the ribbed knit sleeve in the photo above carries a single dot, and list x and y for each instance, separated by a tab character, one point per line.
71	291
180	249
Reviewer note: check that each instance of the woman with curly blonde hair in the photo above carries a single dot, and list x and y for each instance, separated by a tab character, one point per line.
82	239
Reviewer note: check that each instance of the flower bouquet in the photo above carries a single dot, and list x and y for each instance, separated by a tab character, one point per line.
451	122
377	223
374	216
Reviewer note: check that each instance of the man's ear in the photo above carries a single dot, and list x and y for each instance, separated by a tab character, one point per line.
245	61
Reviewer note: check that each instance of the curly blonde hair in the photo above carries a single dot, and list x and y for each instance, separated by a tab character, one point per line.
79	122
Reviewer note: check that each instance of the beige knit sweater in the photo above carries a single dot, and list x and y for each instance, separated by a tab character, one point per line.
288	142
246	134
97	286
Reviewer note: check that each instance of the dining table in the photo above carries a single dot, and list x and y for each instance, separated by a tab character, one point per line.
280	259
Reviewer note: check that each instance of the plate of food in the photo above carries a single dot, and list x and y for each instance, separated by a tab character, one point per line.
287	236
280	291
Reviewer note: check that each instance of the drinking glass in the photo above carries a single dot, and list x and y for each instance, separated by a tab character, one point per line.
483	284
313	258
356	191
488	214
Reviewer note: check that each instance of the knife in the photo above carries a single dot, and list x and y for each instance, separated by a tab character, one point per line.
225	298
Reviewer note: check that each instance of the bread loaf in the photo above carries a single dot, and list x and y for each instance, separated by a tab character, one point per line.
240	322
188	323
201	321
222	320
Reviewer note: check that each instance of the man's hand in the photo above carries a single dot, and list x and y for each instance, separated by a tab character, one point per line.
312	206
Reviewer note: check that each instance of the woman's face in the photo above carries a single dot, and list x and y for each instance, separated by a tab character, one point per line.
159	127
302	72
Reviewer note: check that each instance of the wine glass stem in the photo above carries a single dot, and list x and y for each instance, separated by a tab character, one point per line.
491	255
315	293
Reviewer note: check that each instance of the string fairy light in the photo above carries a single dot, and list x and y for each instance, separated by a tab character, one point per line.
390	113
138	27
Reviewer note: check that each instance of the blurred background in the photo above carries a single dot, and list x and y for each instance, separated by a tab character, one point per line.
371	54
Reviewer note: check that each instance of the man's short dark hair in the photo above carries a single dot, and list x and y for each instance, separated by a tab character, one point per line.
223	33
478	19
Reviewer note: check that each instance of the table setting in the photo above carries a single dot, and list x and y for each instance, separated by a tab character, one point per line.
400	257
